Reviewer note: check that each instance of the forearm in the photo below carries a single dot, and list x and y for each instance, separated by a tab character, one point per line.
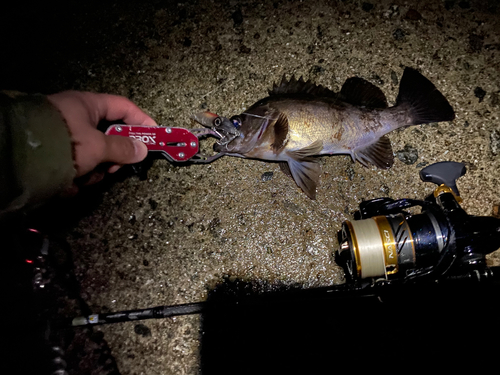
36	157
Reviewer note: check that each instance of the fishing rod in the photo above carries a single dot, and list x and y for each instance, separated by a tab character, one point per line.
385	250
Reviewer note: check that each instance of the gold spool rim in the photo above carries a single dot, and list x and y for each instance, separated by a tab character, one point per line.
355	247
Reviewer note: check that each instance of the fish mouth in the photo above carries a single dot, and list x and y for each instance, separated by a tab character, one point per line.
205	118
222	128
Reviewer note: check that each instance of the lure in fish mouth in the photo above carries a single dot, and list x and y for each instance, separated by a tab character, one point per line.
300	120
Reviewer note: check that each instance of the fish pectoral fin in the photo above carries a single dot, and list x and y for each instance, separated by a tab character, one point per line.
305	152
359	92
306	173
280	133
378	153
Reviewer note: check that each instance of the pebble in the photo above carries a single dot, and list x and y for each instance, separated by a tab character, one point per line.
394	78
495	142
413	15
142	330
350	173
267	176
408	155
398	34
479	93
237	17
367	7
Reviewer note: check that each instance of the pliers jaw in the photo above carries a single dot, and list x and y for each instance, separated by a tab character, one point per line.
221	127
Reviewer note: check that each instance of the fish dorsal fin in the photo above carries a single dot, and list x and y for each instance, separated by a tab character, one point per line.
360	92
280	133
378	153
299	86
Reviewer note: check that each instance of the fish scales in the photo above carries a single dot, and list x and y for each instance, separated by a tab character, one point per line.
341	127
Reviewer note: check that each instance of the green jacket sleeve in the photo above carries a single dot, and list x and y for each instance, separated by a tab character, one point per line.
36	152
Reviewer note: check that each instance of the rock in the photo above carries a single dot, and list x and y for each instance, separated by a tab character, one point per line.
479	93
408	155
367	7
496	211
413	15
495	142
316	70
142	330
495	100
350	173
448	4
394	78
245	49
267	176
398	34
152	203
237	17
296	209
464	4
475	42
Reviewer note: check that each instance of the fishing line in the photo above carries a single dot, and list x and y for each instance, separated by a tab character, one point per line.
370	248
263	117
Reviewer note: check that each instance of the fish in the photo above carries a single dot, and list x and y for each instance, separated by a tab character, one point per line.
300	120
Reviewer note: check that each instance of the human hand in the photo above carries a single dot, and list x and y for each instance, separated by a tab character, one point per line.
82	112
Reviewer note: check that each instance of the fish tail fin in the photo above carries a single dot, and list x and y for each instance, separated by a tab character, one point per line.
426	103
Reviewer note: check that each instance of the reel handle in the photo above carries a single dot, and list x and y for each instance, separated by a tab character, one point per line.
444	172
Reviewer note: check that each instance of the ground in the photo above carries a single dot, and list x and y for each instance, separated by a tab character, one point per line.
170	237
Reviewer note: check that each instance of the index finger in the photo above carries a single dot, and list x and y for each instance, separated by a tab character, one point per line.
114	107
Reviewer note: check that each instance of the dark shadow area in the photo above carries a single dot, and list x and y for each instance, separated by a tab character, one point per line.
257	327
314	332
39	288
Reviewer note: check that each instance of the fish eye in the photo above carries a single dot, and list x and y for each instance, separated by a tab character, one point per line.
236	121
217	121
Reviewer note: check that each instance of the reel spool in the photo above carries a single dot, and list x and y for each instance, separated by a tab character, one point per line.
390	245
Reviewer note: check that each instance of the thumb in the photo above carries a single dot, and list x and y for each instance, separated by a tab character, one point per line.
124	150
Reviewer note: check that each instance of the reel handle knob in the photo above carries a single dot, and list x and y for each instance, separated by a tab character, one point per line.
444	172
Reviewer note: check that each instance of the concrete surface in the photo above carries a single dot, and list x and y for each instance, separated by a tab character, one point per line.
173	236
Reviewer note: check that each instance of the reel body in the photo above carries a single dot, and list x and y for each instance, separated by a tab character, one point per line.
386	242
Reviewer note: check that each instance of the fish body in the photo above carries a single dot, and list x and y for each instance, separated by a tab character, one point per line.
300	120
341	127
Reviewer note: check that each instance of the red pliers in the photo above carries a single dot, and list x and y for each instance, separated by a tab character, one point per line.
175	144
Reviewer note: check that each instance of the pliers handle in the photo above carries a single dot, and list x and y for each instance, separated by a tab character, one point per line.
175	144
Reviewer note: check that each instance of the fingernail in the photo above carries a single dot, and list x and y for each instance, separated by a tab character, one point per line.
114	168
141	150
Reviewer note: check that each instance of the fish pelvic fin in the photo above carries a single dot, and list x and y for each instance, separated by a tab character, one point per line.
305	169
285	168
306	173
426	104
378	154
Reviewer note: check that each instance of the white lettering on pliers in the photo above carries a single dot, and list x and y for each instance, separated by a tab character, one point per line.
147	139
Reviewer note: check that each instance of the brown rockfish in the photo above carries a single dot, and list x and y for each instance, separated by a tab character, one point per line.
300	120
